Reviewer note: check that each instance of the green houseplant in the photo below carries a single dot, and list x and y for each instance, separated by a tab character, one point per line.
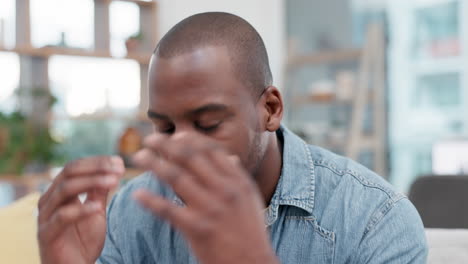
22	142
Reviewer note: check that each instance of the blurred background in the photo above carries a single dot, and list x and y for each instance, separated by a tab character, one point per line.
384	82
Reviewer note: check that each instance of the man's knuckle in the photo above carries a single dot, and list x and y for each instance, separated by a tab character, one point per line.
214	212
172	175
61	216
104	163
203	231
165	212
215	149
69	168
66	189
184	155
230	195
210	151
206	149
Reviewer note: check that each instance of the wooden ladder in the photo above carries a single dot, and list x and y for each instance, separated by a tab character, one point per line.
370	90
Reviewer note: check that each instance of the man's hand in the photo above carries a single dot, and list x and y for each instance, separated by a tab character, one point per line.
223	219
70	231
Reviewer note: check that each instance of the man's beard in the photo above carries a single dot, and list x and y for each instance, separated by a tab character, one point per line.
256	154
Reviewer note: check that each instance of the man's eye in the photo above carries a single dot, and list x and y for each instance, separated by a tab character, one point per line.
167	130
209	128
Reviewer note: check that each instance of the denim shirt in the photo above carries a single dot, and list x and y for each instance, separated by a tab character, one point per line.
326	209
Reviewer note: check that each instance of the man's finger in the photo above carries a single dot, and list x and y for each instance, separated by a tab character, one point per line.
70	189
64	216
180	180
229	165
85	167
181	218
190	154
95	165
99	195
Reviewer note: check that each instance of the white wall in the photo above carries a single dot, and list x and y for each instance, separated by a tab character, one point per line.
267	16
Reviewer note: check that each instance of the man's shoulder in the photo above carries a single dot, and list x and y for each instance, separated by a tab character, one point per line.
342	183
347	192
332	170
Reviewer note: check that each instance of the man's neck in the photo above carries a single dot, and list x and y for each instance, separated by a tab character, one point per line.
270	168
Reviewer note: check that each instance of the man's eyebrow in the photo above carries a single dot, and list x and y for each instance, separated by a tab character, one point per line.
209	108
195	112
154	115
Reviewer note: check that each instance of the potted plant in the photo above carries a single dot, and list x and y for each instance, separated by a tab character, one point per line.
25	146
133	42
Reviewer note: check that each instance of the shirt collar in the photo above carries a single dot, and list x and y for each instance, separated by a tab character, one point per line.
296	186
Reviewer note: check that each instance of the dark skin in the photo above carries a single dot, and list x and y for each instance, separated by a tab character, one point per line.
214	144
198	93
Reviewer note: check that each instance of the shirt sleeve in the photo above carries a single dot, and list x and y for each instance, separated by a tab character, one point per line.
394	235
111	253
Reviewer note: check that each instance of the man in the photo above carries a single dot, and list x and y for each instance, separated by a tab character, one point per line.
226	183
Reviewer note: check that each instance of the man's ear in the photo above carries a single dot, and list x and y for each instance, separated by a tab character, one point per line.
273	108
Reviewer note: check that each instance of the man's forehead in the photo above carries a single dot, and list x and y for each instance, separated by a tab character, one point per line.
189	96
208	57
203	72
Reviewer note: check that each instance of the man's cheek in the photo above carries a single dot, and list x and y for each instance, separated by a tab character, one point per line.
239	150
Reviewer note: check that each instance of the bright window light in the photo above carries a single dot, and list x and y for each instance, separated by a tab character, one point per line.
124	22
73	18
7	23
450	157
9	80
90	85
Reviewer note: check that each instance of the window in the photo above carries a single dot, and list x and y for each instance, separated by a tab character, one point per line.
9	79
438	92
64	23
124	22
437	31
7	23
89	85
86	88
81	138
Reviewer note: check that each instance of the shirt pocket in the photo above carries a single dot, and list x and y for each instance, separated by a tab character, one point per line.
300	239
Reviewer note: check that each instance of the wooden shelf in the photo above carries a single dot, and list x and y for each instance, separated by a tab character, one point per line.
138	2
368	89
104	116
296	61
141	58
51	51
304	100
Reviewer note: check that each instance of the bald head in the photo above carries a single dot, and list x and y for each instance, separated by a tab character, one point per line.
246	49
